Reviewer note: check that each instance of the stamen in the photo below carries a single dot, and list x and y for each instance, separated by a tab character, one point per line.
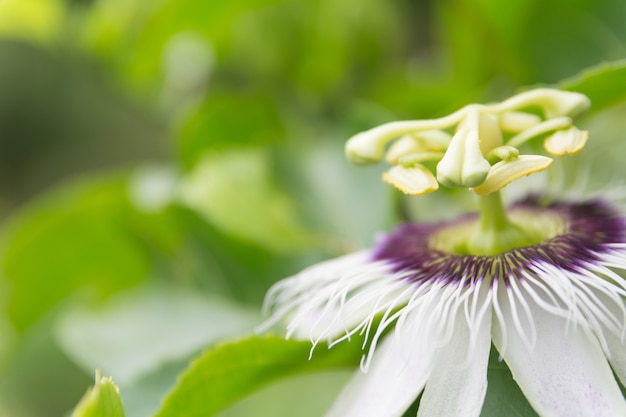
540	129
504	153
554	103
419	142
517	121
413	180
465	159
505	172
566	142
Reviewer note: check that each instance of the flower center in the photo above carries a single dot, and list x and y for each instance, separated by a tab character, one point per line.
565	235
527	227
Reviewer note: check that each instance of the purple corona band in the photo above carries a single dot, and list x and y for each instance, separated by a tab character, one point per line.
588	230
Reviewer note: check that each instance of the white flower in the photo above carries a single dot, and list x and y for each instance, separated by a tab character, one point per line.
555	310
540	281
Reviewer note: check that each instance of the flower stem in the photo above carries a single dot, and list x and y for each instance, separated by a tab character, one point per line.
495	233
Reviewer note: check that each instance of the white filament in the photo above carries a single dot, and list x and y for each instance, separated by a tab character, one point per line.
338	299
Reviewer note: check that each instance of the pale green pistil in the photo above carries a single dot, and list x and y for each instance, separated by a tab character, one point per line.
496	231
480	147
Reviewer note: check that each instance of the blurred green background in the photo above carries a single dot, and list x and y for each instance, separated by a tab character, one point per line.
163	162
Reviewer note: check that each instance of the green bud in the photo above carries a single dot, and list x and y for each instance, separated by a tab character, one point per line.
101	400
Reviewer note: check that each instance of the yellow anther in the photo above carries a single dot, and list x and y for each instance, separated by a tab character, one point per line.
566	142
415	180
365	149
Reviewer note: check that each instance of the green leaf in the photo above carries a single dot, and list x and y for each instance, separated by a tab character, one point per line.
34	20
143	395
229	121
76	238
234	191
210	20
304	395
103	400
504	398
605	84
221	376
99	336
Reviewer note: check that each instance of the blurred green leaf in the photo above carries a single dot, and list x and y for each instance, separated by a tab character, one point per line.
141	329
234	191
77	238
605	84
109	26
504	398
334	193
143	395
38	369
227	121
212	20
102	400
226	265
563	37
34	20
223	375
306	395
337	47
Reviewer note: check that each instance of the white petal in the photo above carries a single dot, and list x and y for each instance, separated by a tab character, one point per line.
396	376
615	342
458	382
565	373
617	352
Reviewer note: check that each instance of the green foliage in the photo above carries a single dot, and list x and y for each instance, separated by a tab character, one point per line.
504	397
36	20
223	375
227	122
147	257
605	84
235	192
73	240
99	337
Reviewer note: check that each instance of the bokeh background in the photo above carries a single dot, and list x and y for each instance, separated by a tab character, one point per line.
163	162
